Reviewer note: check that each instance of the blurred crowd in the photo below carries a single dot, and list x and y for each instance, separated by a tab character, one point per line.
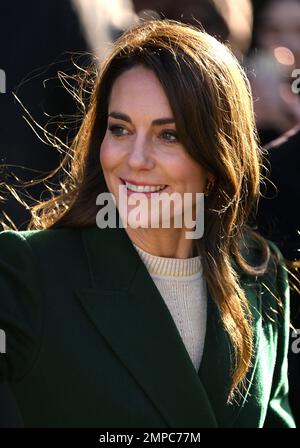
41	40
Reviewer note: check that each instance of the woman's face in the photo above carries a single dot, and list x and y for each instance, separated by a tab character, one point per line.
141	147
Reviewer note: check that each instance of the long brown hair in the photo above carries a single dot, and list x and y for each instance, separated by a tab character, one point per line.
212	105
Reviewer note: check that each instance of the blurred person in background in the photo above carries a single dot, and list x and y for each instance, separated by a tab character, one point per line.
275	54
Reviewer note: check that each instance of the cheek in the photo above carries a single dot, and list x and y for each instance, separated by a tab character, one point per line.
193	174
198	179
108	156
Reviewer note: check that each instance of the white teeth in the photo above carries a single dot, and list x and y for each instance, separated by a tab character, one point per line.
143	188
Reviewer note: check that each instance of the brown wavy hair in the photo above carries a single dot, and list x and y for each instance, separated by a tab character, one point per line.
212	105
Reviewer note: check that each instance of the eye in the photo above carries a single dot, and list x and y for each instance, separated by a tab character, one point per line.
169	136
117	130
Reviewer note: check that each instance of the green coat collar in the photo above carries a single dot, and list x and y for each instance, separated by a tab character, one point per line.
127	309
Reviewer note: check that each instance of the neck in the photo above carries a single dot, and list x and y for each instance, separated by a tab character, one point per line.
170	243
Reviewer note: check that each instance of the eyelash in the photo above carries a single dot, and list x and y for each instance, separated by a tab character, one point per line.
115	128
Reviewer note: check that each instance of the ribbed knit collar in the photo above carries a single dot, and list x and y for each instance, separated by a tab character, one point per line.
163	266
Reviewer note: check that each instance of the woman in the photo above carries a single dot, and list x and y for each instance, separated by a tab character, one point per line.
138	325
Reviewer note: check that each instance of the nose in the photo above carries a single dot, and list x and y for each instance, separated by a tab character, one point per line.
140	156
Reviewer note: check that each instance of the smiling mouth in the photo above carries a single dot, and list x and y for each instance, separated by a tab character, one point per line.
143	188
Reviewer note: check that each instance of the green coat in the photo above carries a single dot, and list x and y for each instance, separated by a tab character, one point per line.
91	343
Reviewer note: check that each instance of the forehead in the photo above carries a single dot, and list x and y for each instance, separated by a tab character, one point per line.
139	90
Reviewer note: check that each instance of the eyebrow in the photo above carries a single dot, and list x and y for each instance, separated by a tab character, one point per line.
157	122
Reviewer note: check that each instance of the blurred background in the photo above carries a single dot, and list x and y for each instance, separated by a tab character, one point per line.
44	45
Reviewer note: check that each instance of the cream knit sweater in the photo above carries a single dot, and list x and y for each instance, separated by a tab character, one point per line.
182	286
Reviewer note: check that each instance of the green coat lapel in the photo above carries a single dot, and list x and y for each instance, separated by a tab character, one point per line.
127	309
